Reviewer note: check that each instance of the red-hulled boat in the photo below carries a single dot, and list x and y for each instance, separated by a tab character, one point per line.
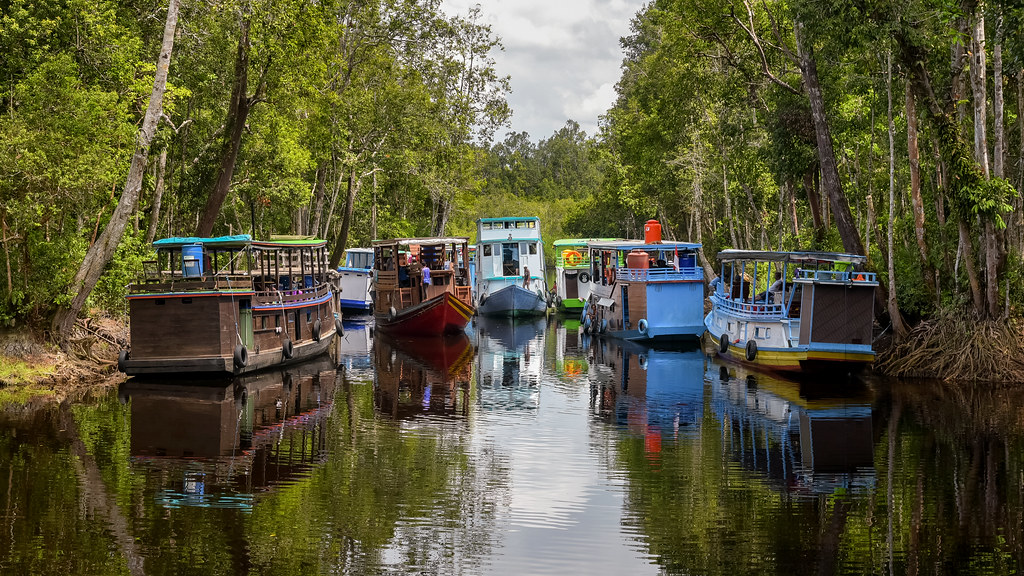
411	301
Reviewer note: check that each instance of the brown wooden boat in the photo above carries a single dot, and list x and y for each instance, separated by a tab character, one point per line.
231	305
404	304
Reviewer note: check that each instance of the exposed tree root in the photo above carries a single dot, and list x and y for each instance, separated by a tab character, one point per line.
956	347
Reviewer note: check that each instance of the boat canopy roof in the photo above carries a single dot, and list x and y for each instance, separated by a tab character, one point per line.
241	241
359	250
579	241
284	242
236	241
510	219
801	257
421	241
627	245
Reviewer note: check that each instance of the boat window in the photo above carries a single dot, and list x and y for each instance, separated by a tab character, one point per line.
485	225
487	249
510	259
533	248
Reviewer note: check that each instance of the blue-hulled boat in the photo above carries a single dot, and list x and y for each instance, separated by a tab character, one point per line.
645	290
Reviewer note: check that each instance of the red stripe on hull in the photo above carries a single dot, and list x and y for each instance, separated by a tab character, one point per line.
444	314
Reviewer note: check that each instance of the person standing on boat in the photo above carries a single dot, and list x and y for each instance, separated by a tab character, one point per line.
426	281
526	277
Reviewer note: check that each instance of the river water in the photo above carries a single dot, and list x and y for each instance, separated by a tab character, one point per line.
517	449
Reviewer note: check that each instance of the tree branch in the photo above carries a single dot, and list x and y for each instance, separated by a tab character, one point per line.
760	49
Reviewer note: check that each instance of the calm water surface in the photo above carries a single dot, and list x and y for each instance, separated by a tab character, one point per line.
518	449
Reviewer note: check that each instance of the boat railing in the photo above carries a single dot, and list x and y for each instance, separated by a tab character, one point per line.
170	282
845	276
286	297
746	308
658	274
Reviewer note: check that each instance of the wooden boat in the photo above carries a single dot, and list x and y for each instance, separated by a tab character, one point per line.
645	289
572	274
229	304
510	267
817	314
355	281
403	304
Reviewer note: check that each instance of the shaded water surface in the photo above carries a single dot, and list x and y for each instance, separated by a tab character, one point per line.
516	449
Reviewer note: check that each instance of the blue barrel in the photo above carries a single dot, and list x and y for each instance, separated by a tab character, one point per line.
192	260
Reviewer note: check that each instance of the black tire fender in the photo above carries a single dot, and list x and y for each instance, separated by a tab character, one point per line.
122	357
316	330
723	343
241	356
339	327
751	351
642	326
287	348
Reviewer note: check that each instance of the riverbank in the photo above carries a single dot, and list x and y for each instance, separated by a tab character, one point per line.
31	369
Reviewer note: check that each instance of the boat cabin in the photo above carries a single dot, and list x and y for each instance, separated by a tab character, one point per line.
646	290
505	248
229	304
793	310
398	271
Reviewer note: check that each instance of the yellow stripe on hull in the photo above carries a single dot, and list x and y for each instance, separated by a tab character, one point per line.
792	359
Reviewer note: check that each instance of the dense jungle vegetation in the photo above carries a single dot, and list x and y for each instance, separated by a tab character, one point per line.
888	128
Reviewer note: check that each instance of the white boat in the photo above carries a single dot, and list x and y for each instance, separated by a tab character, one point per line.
572	274
355	279
817	314
510	267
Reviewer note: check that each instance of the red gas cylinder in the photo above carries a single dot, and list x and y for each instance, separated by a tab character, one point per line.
637	258
652	232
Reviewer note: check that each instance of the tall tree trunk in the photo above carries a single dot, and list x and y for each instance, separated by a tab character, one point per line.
989	241
354	183
899	329
916	202
158	194
320	192
238	113
826	155
728	200
815	204
698	210
101	251
998	153
334	204
792	208
373	209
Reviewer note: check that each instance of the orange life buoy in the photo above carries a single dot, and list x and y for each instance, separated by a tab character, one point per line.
572	257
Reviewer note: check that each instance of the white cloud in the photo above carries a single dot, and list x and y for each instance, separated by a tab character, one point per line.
563	57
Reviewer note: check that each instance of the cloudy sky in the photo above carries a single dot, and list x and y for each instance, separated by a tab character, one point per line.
563	57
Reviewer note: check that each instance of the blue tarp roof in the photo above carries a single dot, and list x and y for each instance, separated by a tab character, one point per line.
178	241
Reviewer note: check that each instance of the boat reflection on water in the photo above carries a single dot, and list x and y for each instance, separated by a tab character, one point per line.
426	375
218	442
808	436
510	361
655	393
355	346
570	349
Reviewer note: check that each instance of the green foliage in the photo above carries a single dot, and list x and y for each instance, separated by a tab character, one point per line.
125	268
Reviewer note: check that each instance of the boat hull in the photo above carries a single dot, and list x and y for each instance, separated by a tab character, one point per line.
512	301
797	360
225	363
442	314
